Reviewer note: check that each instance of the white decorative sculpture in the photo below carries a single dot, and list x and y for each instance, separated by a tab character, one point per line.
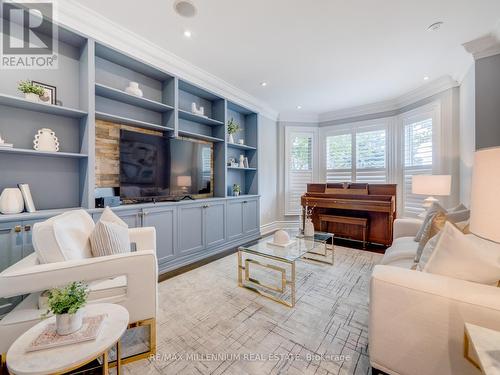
196	111
242	161
11	201
46	140
133	89
281	237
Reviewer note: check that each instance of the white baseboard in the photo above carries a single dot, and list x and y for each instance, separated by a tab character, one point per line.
275	225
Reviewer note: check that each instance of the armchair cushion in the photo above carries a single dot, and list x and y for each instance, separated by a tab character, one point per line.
63	237
110	235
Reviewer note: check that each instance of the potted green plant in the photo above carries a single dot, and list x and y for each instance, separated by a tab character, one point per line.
66	304
236	190
31	91
232	128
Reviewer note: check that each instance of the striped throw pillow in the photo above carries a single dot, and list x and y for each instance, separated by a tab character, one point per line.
110	235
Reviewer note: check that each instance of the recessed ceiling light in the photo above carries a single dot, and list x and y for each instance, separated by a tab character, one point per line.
263	84
435	26
185	8
426	78
187	33
299	107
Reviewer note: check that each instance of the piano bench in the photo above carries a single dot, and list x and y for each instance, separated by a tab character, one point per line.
346	220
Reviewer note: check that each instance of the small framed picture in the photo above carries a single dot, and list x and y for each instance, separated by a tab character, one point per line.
50	92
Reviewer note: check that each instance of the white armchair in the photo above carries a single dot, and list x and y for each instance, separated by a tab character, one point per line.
128	279
417	321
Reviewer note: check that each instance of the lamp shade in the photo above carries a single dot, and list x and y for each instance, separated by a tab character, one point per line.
184	181
431	185
485	197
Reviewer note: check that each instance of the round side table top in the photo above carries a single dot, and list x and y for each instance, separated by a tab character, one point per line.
62	358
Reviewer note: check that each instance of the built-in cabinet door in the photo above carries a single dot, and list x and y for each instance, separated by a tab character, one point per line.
215	218
190	228
27	228
164	220
250	216
11	251
234	219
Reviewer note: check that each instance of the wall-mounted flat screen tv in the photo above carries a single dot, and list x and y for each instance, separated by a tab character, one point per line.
155	167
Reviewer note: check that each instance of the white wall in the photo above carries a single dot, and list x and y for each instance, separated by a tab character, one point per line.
467	133
268	170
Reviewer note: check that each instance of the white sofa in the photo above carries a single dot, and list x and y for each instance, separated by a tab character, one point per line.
416	323
128	279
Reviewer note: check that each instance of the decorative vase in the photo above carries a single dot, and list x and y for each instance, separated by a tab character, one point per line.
11	201
242	161
236	193
133	89
67	324
46	140
231	138
32	97
308	228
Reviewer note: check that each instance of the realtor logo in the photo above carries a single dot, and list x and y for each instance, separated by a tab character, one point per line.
29	36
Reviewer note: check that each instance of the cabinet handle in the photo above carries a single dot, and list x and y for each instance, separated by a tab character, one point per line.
27	228
17	228
206	206
245	201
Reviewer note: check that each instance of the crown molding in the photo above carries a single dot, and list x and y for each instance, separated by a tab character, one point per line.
92	24
304	117
430	89
485	46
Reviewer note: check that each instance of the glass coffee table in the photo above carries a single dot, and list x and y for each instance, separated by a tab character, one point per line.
280	261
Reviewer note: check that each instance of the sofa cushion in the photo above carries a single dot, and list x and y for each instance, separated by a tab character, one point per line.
465	256
402	248
428	218
63	237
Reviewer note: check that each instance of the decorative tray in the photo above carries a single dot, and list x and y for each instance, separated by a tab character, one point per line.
49	338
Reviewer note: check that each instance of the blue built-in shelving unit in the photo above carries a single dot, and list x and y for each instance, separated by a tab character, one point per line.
91	81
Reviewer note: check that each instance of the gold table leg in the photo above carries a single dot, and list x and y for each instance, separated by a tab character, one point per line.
118	357
466	351
105	364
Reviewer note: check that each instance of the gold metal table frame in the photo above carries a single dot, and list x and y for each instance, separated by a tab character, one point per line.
245	260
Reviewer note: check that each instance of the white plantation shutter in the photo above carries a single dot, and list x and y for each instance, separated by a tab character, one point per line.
371	148
299	167
339	158
418	142
360	155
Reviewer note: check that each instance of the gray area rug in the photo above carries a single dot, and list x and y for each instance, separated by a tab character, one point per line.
209	325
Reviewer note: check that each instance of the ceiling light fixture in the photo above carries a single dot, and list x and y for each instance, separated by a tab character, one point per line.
426	78
187	33
299	107
185	8
263	84
435	26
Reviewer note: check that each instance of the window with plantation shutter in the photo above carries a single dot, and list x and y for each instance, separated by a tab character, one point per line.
358	155
299	168
418	159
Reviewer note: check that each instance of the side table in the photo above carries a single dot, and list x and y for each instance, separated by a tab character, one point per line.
485	344
70	357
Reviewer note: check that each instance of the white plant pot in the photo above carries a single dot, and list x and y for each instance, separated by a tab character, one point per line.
11	201
32	97
236	193
67	324
231	138
309	228
133	89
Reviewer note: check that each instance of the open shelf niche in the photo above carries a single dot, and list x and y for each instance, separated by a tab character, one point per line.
247	178
66	171
114	71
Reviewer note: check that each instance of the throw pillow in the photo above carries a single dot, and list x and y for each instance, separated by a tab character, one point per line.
429	248
436	211
110	235
465	256
460	207
428	217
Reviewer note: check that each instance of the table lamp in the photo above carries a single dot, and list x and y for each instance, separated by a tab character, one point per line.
431	185
184	182
485	199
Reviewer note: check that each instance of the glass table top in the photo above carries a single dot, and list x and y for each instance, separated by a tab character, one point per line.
300	247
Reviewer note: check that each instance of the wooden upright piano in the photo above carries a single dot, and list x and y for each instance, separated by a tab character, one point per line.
344	208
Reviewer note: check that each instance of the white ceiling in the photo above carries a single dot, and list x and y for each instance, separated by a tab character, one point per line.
321	54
